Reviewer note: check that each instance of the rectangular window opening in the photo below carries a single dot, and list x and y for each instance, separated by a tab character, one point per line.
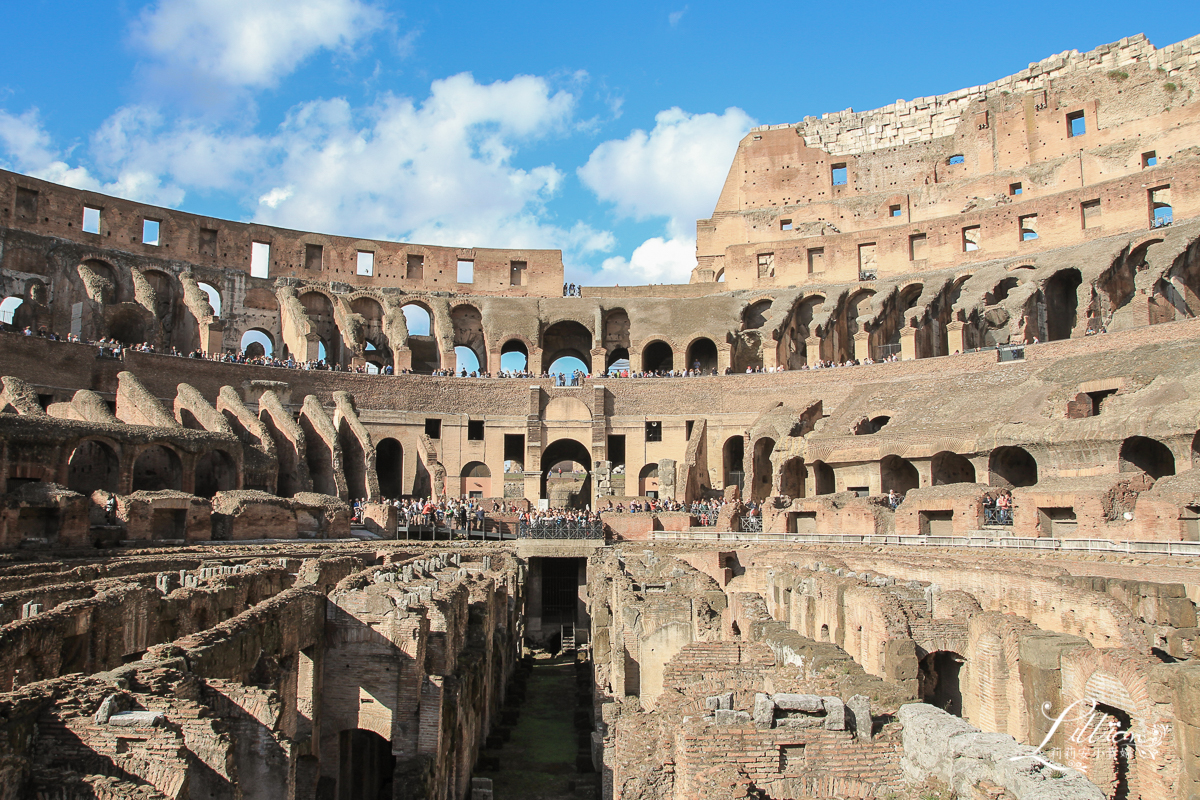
917	247
839	175
766	265
91	220
1090	211
514	448
653	431
260	260
466	271
150	228
366	263
866	262
1160	206
475	430
1028	227
517	273
26	206
1098	399
416	267
785	224
816	260
1149	159
687	429
970	238
616	449
956	159
894	211
314	256
1015	189
433	428
1076	126
208	242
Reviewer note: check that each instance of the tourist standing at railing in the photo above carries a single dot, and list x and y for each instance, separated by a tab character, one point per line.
1004	507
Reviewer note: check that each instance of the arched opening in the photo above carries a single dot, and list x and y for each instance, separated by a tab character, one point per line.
721	275
617	360
465	359
648	481
127	326
948	467
215	472
467	322
354	461
417	318
755	315
567	365
897	475
570	463
761	489
793	478
1061	303
257	343
1000	291
567	339
426	356
1196	449
319	455
734	455
514	356
1114	751
657	356
1009	467
157	468
164	292
702	355
616	333
366	766
823	480
476	480
93	466
939	681
869	426
389	466
1142	454
214	297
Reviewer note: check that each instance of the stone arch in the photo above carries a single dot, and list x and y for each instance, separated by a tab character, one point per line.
568	450
422	336
318	307
127	324
868	427
216	471
94	465
214	297
467	322
256	343
100	282
858	304
319	457
795	332
793	478
389	466
476	480
762	473
515	344
371	310
938	677
897	474
702	350
754	314
156	468
648	479
616	330
1143	454
567	338
733	458
657	355
354	462
823	478
1010	467
947	467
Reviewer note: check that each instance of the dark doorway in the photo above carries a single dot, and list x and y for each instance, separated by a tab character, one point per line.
367	766
1009	467
94	465
939	681
1139	453
568	450
389	466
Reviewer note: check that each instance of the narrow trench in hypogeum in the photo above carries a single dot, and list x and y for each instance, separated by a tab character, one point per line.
541	750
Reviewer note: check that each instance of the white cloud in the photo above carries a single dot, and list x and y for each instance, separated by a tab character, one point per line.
248	44
675	171
674	17
655	260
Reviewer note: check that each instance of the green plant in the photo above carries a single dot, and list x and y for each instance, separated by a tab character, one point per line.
1058	773
1170	87
1118	75
1162	70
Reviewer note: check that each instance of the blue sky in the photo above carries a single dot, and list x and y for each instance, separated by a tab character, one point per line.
605	129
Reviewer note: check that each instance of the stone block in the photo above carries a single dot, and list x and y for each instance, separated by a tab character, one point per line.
835	713
724	716
810	703
719	701
764	710
858	716
137	719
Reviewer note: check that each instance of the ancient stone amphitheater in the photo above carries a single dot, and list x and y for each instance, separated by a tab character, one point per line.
1013	270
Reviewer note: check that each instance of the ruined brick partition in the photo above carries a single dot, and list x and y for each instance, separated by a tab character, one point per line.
1013	270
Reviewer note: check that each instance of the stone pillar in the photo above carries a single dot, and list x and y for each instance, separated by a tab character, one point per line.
770	353
862	345
599	356
449	359
401	359
925	470
812	350
493	358
724	357
908	344
214	337
956	337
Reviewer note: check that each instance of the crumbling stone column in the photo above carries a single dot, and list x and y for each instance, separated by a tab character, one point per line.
862	345
908	343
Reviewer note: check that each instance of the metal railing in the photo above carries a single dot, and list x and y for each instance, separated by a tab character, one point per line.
1010	352
752	524
560	529
1185	549
706	519
867	274
997	516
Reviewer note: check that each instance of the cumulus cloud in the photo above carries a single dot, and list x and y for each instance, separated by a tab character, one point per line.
674	173
241	44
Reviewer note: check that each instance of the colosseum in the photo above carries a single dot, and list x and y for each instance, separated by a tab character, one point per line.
897	498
